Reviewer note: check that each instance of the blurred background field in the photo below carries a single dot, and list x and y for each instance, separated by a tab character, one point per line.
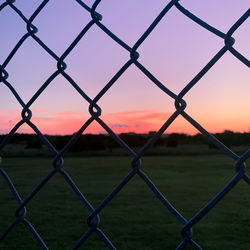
135	218
28	145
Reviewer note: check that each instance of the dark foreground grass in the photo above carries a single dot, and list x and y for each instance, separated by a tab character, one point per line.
135	218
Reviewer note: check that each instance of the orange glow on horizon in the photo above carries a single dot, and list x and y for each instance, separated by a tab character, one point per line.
138	121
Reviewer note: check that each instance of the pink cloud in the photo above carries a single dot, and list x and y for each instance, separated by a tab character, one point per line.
68	122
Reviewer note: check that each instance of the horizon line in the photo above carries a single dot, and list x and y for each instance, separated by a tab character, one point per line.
132	133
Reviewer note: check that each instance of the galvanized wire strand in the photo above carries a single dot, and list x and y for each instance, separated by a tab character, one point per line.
21	217
27	116
95	115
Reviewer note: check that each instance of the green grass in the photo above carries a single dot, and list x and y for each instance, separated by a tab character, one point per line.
135	218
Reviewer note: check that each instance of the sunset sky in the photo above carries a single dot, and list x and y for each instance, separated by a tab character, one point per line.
174	53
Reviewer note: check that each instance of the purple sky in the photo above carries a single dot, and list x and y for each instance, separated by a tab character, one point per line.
174	52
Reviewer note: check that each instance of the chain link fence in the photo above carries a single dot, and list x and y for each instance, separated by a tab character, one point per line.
95	112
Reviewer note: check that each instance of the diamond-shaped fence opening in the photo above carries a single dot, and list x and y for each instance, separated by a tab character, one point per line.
134	175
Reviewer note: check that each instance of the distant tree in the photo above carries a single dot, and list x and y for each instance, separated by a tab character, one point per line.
226	137
134	140
110	143
172	140
59	141
96	142
159	142
89	142
151	133
34	142
198	139
101	141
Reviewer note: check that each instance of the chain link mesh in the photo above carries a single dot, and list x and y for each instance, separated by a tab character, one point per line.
95	112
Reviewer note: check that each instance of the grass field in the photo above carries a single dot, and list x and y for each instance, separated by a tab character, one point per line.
135	218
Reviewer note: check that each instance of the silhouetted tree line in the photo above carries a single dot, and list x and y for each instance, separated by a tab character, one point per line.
102	141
